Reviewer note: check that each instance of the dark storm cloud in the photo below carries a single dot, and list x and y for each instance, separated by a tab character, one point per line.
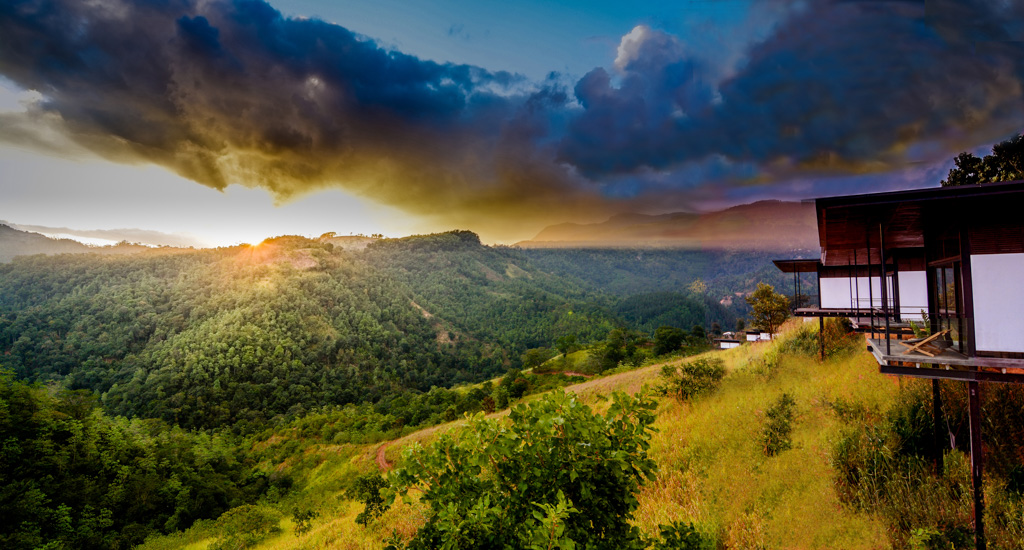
228	92
233	92
838	86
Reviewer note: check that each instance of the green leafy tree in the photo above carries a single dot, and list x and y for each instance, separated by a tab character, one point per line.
668	339
367	489
558	475
769	309
535	357
1006	163
567	344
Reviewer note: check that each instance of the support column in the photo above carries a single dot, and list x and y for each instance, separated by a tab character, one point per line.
821	336
883	287
938	436
976	466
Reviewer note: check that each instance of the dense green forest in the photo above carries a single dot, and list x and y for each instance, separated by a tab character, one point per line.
627	272
245	335
493	293
239	336
135	387
73	477
225	337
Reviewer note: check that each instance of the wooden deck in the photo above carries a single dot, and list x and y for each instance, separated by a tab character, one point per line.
950	364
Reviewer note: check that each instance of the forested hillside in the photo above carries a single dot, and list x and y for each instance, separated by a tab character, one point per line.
626	272
494	293
238	336
656	286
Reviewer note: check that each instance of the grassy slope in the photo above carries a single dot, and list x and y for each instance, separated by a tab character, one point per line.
712	470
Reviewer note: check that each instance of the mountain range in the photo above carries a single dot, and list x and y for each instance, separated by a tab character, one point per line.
762	225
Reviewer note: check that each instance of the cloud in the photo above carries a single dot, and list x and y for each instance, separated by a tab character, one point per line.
225	92
233	92
836	87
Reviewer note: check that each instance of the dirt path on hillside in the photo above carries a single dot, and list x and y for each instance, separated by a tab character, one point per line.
382	459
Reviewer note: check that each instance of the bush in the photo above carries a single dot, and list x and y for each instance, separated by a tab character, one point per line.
883	463
839	339
246	526
702	375
303	518
558	476
367	489
682	536
775	437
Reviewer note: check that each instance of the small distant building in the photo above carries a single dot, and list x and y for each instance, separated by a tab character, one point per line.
728	343
764	337
753	336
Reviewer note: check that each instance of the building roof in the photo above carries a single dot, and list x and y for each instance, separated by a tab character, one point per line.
848	226
797	266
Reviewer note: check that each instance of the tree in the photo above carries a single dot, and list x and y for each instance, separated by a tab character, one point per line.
536	357
1006	163
558	473
966	172
769	309
668	339
567	344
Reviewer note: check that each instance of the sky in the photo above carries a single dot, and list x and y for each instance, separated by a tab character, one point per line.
215	122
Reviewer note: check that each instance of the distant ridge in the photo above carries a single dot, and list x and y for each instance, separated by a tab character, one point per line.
14	242
21	243
762	225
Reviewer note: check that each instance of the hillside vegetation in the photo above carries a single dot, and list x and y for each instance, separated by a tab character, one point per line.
712	468
242	397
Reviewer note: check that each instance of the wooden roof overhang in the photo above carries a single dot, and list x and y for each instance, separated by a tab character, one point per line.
850	227
797	266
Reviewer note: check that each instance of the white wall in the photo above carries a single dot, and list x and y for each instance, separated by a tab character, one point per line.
836	293
729	345
998	284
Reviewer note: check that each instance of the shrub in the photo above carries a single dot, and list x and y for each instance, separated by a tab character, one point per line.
775	437
883	463
682	536
303	518
557	476
246	526
367	489
839	339
702	375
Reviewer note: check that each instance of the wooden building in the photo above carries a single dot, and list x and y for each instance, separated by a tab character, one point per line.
957	253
